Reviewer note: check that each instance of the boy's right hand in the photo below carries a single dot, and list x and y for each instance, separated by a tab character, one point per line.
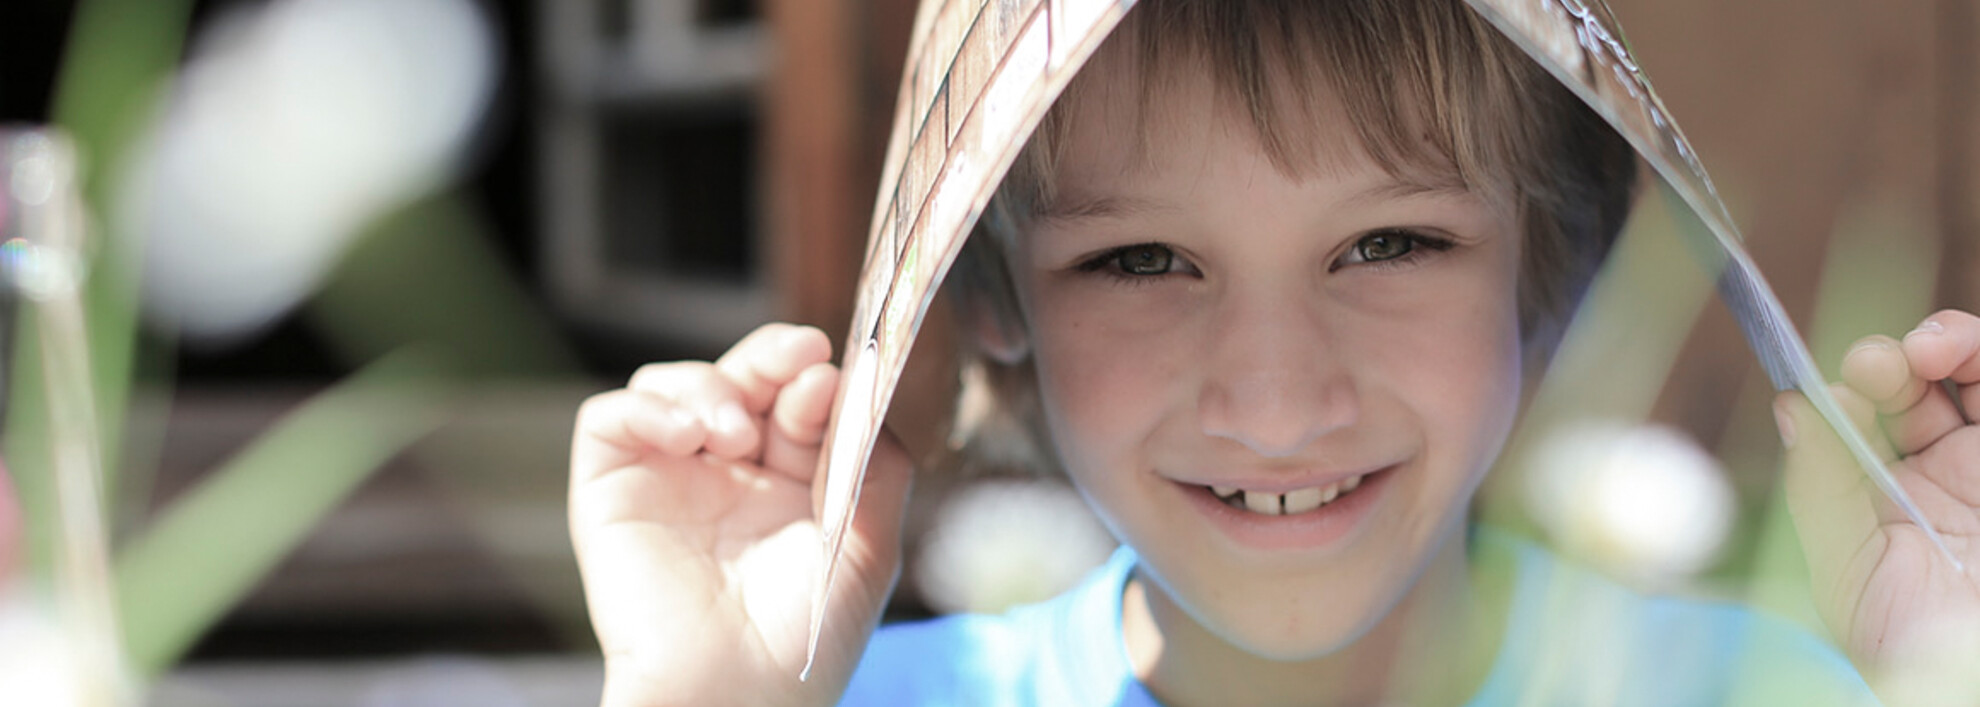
692	511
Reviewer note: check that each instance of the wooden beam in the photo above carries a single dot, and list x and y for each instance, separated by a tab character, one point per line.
812	155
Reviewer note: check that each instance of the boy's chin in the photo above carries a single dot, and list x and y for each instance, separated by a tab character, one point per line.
1290	631
1296	640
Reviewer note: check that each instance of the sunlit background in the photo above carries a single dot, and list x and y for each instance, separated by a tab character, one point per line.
345	269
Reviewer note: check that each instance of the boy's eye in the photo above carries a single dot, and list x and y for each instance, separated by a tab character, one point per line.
1392	247
1135	262
1377	247
1148	259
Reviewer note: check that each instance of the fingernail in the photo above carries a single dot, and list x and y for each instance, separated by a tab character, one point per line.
1785	421
1927	327
1876	343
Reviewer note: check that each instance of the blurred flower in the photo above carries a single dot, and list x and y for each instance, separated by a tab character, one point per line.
1000	543
294	125
1644	502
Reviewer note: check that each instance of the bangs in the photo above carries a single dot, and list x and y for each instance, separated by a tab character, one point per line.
1427	90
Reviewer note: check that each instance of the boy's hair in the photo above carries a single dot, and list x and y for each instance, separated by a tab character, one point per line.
1435	95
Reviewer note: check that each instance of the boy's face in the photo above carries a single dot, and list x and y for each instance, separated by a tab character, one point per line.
1203	322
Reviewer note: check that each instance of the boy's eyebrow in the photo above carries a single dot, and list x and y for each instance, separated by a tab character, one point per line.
1404	189
1081	208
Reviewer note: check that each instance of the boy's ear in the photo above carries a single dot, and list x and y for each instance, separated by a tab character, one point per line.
995	331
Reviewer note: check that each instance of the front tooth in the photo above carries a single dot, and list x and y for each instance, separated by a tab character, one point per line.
1263	503
1303	500
1223	491
1332	492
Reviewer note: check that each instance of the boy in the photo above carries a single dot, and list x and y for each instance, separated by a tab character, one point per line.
1272	275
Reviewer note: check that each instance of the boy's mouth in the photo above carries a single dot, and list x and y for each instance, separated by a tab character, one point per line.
1288	503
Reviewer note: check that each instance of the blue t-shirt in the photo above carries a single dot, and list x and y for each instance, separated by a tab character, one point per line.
1571	638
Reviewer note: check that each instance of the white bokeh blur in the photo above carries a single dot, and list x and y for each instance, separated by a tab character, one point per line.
1641	501
999	543
295	123
37	665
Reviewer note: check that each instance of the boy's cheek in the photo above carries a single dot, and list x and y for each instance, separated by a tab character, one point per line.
1097	356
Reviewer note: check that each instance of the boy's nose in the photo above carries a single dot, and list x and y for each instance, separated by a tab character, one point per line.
1276	383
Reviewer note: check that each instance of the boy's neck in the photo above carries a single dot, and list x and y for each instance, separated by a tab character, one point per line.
1436	647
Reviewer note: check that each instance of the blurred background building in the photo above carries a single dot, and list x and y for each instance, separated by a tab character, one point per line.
653	178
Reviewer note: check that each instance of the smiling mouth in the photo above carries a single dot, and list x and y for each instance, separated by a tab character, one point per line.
1288	503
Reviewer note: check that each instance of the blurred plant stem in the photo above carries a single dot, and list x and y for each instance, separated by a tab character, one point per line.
421	304
52	235
72	370
120	58
424	306
427	275
82	562
217	541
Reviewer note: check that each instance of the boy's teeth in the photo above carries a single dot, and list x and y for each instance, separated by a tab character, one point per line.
1304	500
1262	503
1273	504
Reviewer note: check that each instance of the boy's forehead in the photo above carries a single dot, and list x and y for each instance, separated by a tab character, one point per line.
1124	128
1082	203
1124	120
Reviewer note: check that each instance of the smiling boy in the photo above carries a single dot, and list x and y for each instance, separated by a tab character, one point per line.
1274	275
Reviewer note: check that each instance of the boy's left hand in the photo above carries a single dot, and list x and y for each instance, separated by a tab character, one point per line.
1900	608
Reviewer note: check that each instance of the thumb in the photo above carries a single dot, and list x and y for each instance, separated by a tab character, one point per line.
870	556
882	507
1831	500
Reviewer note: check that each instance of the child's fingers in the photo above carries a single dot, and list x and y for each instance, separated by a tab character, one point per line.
875	540
771	357
1946	346
1917	412
617	428
704	391
1875	366
1863	415
806	405
798	420
1821	473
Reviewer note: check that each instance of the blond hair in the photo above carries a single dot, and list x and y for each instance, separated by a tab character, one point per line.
1435	96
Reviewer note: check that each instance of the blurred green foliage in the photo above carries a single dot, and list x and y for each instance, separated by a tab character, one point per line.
420	305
